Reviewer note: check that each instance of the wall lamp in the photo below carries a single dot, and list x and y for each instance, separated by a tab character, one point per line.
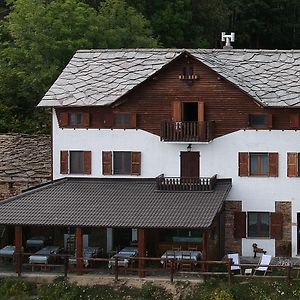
189	148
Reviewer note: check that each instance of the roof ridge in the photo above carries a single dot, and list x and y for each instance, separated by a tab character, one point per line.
92	50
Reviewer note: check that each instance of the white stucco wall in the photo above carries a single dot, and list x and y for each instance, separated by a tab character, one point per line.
217	157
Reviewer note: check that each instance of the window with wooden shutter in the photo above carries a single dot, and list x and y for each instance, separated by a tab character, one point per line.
292	164
64	162
86	119
243	164
276	226
106	162
239	224
63	119
135	163
124	120
87	169
176	111
294	120
273	164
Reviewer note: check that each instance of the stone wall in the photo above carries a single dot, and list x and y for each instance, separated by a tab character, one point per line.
283	247
231	244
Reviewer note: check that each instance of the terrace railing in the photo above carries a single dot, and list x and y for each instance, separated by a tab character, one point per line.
185	183
187	131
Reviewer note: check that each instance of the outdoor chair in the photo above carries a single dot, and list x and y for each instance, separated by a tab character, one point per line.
170	256
235	257
193	248
263	264
186	262
176	248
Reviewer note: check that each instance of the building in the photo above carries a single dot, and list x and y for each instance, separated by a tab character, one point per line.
25	162
169	146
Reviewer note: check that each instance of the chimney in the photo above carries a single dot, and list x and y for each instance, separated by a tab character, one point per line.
228	39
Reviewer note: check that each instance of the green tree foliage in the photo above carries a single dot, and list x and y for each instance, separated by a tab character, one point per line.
38	38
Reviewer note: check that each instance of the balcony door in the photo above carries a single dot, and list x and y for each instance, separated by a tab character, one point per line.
189	164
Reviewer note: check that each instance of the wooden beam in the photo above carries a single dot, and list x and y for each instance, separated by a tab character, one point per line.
142	251
18	249
205	248
79	251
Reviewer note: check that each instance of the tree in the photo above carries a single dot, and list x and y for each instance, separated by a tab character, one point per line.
39	37
124	27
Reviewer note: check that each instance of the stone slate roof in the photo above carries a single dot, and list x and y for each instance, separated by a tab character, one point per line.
25	158
101	77
113	203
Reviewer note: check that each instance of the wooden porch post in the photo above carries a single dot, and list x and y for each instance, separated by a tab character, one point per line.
142	251
79	251
205	248
18	249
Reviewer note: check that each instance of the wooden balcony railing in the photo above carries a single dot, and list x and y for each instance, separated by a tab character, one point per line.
187	131
185	184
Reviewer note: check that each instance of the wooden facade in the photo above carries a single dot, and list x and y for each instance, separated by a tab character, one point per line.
160	100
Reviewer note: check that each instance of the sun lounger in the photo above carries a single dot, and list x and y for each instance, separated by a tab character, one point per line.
263	264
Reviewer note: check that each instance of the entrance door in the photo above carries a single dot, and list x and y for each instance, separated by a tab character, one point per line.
189	164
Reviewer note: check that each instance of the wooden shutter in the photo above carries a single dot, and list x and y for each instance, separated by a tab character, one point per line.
86	119
64	162
87	160
292	164
270	121
135	163
108	120
273	164
133	120
64	119
294	120
200	111
243	164
276	226
106	162
176	111
239	224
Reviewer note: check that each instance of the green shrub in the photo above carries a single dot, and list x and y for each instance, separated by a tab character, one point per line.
15	288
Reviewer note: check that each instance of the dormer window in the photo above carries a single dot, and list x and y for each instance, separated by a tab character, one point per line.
76	118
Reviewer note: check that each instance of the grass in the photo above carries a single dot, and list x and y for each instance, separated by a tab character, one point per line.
212	289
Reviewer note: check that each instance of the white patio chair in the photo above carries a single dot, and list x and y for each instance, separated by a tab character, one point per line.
235	262
263	264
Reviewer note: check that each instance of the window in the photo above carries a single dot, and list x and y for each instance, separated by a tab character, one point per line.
75	162
122	120
258	224
293	164
76	118
258	164
258	120
73	119
121	163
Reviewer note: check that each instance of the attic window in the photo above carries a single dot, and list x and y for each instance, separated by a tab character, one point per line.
76	118
188	73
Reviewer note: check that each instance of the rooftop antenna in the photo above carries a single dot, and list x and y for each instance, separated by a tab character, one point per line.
228	39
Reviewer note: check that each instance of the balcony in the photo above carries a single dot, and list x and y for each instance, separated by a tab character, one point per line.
187	131
185	184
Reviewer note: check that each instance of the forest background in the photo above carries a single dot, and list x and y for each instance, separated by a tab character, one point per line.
38	38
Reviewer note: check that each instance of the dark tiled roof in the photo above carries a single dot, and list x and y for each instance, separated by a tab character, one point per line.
25	157
113	203
100	77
